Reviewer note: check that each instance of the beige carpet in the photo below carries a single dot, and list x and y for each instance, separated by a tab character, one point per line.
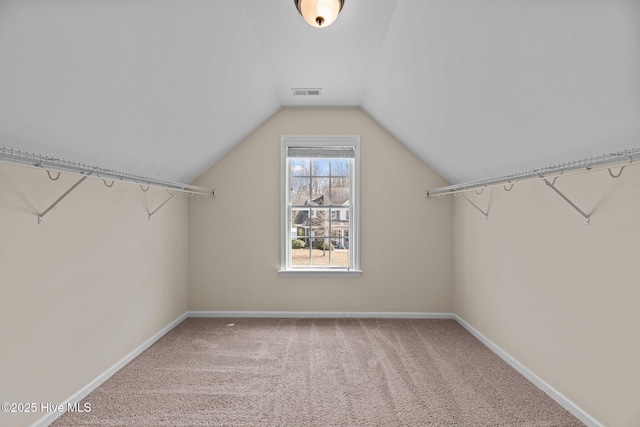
319	372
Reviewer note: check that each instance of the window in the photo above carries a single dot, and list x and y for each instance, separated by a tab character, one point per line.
320	205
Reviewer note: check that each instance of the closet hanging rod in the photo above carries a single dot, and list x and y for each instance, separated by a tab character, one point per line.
21	157
604	161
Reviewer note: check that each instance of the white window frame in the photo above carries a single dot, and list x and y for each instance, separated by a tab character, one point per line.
285	229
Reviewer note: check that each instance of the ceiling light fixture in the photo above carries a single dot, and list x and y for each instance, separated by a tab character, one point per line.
319	13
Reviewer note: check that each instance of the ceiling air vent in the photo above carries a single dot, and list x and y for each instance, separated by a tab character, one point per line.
299	91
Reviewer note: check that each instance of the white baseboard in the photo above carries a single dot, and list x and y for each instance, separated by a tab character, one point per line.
77	397
319	315
563	401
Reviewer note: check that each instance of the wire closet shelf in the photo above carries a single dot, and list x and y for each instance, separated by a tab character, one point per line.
605	161
26	158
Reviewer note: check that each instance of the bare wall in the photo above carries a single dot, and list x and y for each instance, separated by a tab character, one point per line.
559	296
406	240
87	287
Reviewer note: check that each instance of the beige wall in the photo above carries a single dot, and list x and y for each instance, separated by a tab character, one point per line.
406	240
99	278
559	296
87	287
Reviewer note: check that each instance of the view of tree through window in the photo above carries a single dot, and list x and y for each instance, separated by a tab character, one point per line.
320	201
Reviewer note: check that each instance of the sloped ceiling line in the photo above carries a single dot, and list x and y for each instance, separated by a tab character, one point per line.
475	89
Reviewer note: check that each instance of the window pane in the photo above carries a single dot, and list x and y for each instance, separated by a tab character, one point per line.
340	239
320	167
339	167
300	222
340	231
300	167
320	187
340	258
321	253
300	255
319	222
340	192
299	188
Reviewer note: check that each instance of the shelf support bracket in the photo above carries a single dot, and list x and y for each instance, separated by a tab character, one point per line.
486	214
587	218
163	203
66	193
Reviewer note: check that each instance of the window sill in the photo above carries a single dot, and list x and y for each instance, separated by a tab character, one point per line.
319	272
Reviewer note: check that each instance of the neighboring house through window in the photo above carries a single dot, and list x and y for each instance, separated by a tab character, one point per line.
320	205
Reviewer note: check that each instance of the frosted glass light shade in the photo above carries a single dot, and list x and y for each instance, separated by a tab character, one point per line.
319	13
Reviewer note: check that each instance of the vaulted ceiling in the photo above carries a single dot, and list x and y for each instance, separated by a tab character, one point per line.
475	88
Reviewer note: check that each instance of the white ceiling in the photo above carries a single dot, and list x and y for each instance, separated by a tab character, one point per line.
475	88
